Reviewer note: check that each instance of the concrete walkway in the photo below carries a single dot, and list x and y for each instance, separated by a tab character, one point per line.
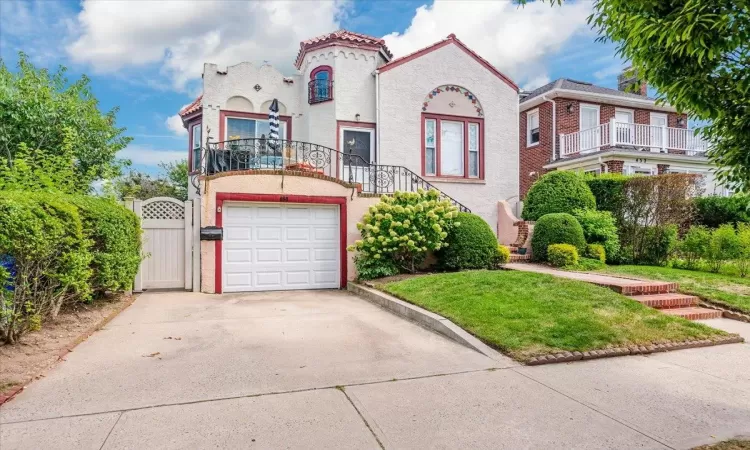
329	370
594	278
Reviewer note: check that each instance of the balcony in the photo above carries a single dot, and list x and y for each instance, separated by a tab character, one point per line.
319	91
649	138
277	156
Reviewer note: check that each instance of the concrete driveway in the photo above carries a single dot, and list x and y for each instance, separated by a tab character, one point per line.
325	369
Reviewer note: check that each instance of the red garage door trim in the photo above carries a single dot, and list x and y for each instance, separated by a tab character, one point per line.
221	197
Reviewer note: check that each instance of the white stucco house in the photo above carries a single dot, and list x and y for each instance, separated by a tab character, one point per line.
354	123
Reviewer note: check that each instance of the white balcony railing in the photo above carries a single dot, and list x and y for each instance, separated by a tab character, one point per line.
642	137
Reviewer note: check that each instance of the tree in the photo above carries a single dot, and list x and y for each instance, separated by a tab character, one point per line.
696	54
172	182
42	109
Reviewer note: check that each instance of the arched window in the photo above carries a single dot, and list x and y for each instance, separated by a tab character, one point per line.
320	87
452	133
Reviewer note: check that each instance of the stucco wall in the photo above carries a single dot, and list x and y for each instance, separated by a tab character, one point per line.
402	92
220	85
353	91
271	184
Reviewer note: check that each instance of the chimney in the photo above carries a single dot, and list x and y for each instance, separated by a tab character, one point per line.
629	81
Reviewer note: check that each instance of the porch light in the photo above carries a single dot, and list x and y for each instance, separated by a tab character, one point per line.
569	108
356	117
680	121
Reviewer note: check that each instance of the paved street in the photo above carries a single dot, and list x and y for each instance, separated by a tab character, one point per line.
325	369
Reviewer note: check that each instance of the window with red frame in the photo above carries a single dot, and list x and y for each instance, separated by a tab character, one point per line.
320	87
452	147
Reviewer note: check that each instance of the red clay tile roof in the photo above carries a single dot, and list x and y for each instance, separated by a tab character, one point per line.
341	37
450	39
193	107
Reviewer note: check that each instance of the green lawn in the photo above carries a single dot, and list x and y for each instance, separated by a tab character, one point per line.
527	314
719	288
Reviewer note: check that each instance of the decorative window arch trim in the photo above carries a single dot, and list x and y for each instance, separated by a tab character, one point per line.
453	88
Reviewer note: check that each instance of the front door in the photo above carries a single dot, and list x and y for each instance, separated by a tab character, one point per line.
357	146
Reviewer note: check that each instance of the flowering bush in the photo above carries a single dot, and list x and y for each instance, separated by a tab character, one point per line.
400	230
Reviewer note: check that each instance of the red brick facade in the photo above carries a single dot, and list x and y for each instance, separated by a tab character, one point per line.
532	159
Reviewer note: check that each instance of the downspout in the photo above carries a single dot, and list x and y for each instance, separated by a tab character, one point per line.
377	116
554	125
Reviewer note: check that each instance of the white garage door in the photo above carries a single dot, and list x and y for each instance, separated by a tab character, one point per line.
270	247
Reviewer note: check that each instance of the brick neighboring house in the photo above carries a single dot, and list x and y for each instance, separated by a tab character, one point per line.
574	125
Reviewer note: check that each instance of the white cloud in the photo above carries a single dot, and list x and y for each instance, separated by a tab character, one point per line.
149	156
536	82
610	71
174	124
179	36
515	39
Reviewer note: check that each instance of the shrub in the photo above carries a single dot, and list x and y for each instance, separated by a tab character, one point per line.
599	227
724	246
609	191
714	211
694	245
402	228
651	207
561	255
503	254
586	264
743	263
43	233
370	268
557	192
473	245
596	251
115	233
559	228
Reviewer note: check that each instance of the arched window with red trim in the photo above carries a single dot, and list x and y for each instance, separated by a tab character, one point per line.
320	87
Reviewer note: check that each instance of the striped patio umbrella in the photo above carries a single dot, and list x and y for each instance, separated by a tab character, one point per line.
273	124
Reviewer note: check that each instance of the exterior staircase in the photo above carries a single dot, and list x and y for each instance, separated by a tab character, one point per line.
523	235
676	304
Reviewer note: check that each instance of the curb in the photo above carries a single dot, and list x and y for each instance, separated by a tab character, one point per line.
634	350
8	395
427	319
727	313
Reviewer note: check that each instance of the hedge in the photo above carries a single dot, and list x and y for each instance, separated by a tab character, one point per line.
63	248
559	228
472	245
609	191
116	236
715	211
557	192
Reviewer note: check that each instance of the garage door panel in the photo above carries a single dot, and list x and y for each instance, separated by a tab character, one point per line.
239	255
265	233
275	247
325	255
329	234
297	255
268	255
267	212
297	233
238	234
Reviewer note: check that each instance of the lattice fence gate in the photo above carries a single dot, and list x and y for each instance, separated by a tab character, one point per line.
169	243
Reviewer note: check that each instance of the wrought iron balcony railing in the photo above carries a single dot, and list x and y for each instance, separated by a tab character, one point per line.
319	91
281	154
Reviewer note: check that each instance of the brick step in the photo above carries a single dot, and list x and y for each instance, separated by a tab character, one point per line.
515	257
693	313
637	287
666	301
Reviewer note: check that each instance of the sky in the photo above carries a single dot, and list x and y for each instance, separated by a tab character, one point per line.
146	57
